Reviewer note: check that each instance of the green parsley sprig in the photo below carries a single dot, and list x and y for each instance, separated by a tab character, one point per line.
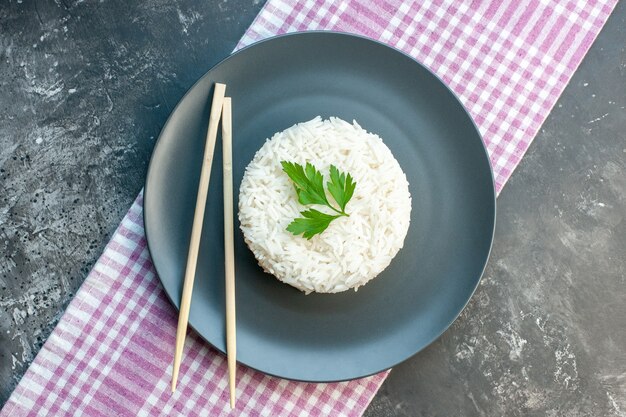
309	185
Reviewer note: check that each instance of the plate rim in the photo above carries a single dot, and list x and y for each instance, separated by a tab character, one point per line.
492	189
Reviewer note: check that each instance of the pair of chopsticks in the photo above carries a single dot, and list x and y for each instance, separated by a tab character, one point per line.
220	108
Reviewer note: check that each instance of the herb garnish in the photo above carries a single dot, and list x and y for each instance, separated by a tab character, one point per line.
309	184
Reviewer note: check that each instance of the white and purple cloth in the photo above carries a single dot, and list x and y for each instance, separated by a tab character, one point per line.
111	353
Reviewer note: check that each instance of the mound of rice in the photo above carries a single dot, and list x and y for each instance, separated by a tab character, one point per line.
353	249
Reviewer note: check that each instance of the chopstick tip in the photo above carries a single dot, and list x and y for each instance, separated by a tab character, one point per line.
220	87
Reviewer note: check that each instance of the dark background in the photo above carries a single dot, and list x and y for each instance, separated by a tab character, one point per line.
85	89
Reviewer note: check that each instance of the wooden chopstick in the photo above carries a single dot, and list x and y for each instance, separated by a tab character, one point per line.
229	250
196	229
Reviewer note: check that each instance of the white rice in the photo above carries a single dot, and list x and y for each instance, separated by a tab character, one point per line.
352	250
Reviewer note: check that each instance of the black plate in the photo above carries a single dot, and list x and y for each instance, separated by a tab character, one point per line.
328	337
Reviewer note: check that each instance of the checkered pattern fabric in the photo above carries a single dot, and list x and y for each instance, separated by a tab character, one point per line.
111	352
508	61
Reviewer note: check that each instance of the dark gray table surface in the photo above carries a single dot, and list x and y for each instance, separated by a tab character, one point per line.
86	87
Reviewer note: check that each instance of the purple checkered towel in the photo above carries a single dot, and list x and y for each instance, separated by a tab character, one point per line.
111	352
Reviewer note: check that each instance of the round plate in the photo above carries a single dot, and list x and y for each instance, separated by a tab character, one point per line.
327	337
